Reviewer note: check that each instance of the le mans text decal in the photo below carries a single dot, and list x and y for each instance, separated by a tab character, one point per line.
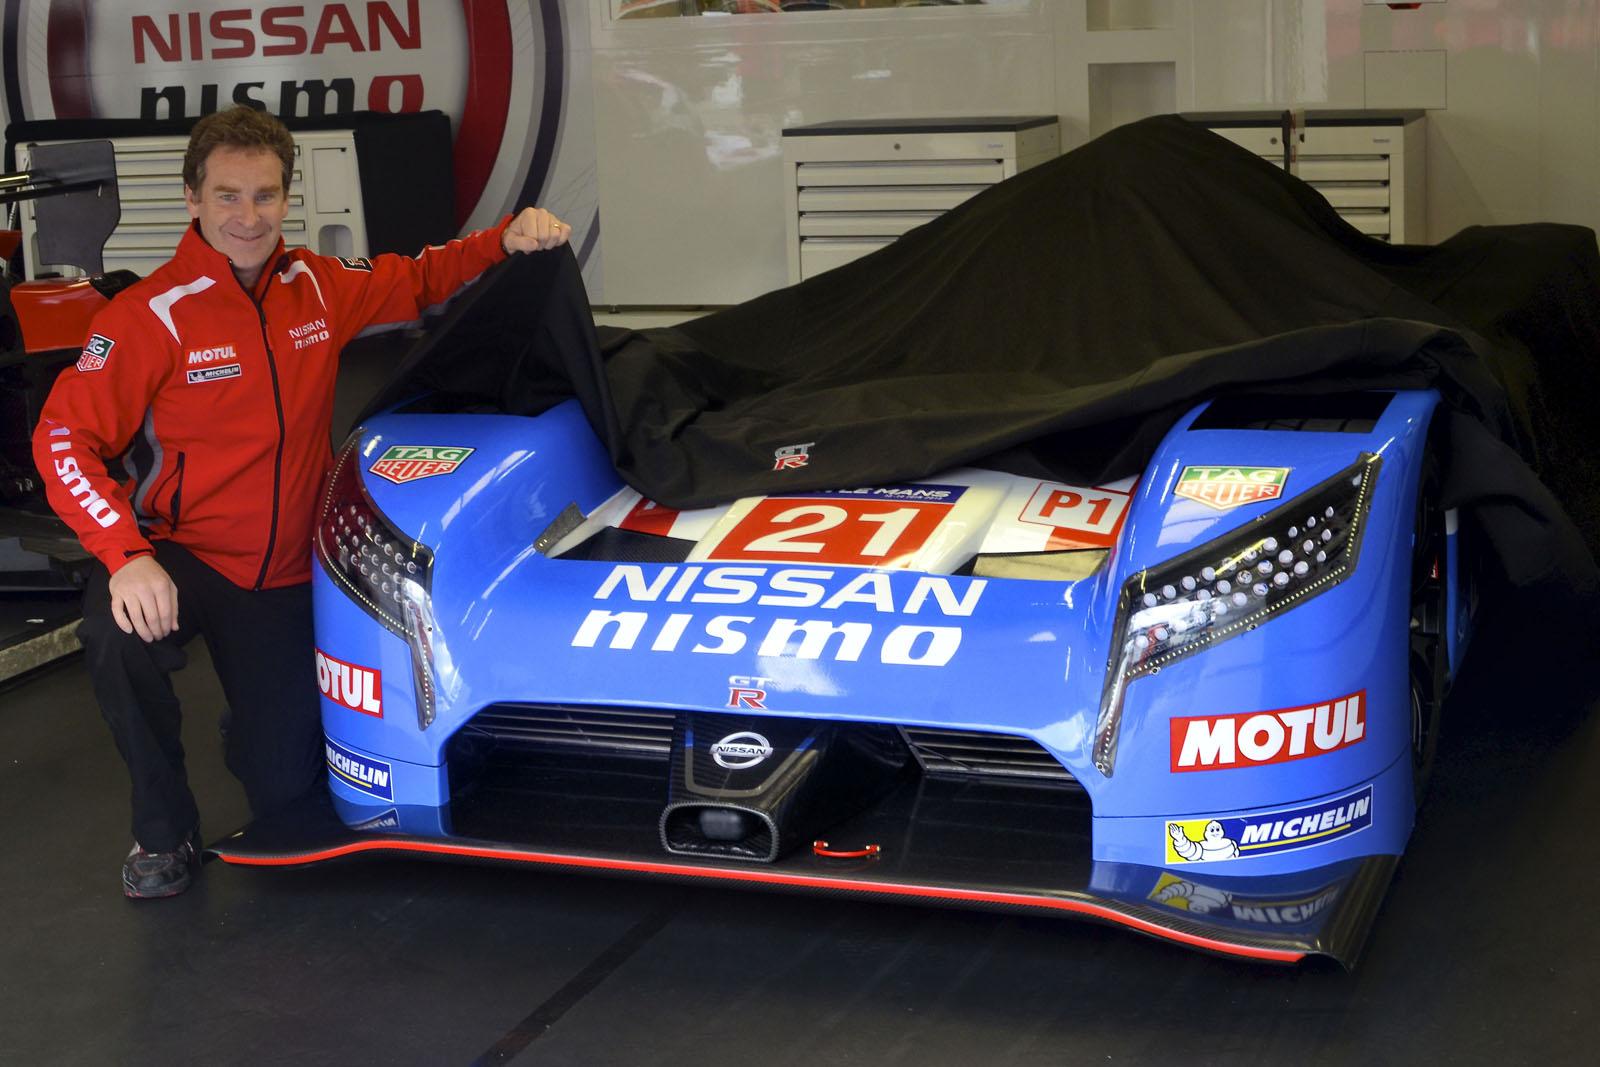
408	463
95	352
370	776
1211	742
1241	837
1229	487
357	688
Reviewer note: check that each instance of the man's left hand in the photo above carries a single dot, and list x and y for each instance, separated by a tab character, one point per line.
534	230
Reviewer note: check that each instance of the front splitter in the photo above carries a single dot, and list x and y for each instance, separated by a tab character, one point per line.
969	846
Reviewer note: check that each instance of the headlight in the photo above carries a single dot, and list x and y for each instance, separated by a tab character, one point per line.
384	570
1233	584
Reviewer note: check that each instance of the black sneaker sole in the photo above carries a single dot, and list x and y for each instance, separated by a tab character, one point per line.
156	894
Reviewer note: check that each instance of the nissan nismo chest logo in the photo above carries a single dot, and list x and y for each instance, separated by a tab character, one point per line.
741	750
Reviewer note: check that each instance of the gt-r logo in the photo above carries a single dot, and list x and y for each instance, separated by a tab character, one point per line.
347	685
1209	743
747	692
790	457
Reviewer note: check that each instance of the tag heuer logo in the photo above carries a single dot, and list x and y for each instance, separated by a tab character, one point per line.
95	352
1229	487
407	463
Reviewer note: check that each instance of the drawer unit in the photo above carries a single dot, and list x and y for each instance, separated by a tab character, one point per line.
325	205
1371	166
853	187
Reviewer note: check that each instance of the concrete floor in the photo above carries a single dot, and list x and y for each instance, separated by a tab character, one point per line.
1487	950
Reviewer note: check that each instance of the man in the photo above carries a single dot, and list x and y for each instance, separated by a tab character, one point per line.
208	388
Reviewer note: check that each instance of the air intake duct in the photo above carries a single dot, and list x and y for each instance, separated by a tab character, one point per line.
756	788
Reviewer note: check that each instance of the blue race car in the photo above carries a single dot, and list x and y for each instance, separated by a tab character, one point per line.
1200	703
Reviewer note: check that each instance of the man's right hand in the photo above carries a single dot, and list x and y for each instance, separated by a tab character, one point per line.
144	600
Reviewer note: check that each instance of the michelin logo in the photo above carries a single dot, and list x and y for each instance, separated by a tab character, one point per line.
214	374
1229	838
1195	898
373	777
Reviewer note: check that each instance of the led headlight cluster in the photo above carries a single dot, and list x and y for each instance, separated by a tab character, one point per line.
388	573
362	550
1231	585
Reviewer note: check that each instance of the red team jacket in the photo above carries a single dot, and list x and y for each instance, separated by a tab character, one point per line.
211	405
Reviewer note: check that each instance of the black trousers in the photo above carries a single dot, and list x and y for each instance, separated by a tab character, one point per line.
261	646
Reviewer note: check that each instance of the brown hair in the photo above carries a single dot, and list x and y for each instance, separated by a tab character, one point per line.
240	126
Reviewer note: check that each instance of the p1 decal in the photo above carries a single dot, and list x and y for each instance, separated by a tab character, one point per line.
1241	837
790	457
649	517
408	463
1212	742
357	688
95	352
1225	488
1078	517
373	777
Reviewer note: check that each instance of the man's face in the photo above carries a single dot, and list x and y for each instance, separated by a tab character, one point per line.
240	205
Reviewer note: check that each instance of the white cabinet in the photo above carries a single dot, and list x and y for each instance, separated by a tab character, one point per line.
1371	165
325	206
852	187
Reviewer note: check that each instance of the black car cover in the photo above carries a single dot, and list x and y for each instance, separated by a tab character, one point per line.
1058	324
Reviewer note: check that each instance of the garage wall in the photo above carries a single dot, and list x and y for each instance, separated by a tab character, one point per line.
688	112
660	138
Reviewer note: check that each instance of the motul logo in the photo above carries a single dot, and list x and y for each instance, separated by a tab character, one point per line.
1209	743
211	355
356	688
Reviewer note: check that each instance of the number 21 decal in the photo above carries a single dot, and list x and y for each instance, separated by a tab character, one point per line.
862	532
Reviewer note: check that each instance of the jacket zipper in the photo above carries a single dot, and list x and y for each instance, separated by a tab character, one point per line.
277	459
175	502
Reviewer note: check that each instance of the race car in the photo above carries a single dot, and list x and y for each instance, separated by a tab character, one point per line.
1200	703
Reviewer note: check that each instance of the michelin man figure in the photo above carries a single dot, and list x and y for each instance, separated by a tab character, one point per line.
1213	845
1192	897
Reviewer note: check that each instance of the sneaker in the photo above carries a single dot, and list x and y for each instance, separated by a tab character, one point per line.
159	874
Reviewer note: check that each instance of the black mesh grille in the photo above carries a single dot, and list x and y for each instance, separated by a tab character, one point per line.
1316	413
646	732
636	731
973	752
